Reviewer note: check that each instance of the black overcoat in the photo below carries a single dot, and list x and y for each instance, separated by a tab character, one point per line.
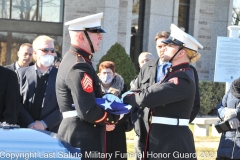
172	98
9	96
78	84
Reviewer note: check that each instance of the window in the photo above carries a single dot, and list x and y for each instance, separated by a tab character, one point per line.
137	27
5	9
11	41
24	9
32	10
50	11
183	14
3	47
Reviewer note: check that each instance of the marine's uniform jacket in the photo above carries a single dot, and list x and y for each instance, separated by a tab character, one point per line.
146	78
171	98
78	84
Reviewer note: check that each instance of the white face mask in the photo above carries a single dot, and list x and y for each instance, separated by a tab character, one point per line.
106	79
46	60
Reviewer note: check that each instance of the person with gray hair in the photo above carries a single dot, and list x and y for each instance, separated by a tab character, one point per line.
144	57
39	108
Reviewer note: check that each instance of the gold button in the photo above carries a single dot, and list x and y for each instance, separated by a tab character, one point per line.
107	119
112	121
94	125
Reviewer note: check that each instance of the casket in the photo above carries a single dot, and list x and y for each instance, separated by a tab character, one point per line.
24	144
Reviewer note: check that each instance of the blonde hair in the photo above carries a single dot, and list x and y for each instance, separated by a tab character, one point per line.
42	38
192	55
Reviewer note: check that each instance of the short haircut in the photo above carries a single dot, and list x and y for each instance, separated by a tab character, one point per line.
25	44
41	38
148	54
107	64
163	34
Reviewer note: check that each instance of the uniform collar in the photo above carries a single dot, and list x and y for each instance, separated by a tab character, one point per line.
178	67
81	52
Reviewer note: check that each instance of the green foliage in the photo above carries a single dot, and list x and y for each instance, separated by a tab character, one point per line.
211	93
122	61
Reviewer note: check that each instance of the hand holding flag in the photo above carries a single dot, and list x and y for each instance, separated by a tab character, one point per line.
112	98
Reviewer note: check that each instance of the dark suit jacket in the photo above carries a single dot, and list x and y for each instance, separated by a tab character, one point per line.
146	78
9	96
11	66
50	113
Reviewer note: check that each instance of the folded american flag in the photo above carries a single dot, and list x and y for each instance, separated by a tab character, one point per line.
112	107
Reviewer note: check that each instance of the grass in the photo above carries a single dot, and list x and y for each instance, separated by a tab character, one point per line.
202	153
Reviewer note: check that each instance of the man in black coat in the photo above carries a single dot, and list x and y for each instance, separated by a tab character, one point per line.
83	126
39	108
171	100
24	57
151	73
9	96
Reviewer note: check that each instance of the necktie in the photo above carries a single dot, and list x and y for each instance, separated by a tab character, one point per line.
162	71
164	67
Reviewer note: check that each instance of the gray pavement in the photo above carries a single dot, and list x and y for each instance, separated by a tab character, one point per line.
197	144
206	144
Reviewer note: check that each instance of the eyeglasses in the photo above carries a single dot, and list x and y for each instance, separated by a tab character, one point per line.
46	50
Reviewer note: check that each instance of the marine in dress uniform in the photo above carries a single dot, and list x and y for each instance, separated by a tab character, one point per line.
171	101
78	84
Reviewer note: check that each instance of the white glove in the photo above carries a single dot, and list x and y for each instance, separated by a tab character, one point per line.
111	98
125	94
234	123
230	113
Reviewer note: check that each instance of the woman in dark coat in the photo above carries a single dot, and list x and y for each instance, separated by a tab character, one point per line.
229	146
113	83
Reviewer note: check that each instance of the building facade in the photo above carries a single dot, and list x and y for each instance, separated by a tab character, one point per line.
131	23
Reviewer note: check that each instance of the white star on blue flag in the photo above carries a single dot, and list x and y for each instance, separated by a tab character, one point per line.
107	105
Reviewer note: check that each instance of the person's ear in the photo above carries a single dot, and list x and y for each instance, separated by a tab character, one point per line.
80	36
34	53
182	53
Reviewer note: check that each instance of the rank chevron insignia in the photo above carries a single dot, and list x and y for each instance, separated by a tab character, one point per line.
87	83
174	80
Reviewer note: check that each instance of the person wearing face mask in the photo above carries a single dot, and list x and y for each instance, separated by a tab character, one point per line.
39	108
113	83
